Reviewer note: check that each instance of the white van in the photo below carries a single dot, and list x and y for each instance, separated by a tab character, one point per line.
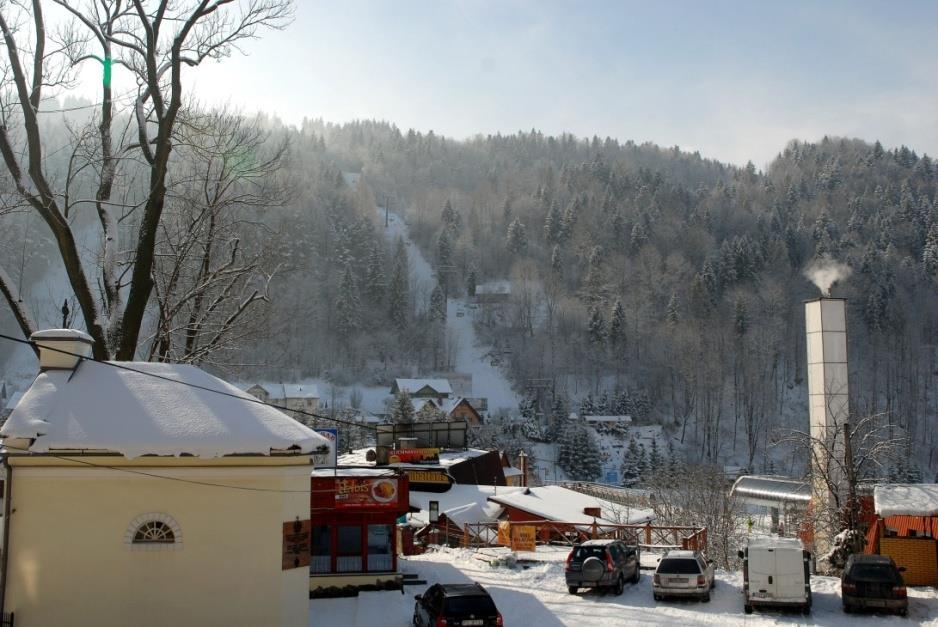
776	573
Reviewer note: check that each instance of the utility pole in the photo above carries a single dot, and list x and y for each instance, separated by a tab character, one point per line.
387	202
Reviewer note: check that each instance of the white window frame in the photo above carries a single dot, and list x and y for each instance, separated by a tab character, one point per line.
142	519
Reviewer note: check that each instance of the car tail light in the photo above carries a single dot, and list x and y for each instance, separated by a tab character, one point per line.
569	560
498	620
701	580
440	622
610	565
899	591
657	579
848	588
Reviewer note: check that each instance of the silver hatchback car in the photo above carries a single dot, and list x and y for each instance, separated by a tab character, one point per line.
684	574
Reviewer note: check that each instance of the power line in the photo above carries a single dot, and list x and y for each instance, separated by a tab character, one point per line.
257	401
169	478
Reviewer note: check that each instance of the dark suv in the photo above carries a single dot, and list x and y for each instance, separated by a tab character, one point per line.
602	564
456	605
873	582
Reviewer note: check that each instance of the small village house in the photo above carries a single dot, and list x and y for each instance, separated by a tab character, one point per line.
453	409
905	528
151	494
436	389
294	396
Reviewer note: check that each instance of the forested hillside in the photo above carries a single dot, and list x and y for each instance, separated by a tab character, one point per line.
644	279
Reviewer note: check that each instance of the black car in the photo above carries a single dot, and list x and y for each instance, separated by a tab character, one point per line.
602	564
873	582
456	605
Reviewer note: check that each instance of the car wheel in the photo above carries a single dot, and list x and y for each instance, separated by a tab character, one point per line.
636	576
705	598
747	609
620	586
805	609
847	609
572	589
657	597
903	612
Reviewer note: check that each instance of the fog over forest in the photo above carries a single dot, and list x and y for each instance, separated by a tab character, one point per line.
644	279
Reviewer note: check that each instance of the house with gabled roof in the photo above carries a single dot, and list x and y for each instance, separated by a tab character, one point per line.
151	493
423	388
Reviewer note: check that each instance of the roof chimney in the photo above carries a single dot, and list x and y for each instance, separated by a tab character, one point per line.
61	349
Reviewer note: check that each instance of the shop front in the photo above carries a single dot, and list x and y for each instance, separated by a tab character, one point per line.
353	539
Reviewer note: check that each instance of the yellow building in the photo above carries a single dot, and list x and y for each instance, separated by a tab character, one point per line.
151	494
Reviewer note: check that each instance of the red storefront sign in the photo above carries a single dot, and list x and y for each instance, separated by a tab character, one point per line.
412	455
358	492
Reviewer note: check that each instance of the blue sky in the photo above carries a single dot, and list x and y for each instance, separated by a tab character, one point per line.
734	80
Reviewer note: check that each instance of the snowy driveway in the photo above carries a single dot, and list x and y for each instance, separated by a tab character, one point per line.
537	596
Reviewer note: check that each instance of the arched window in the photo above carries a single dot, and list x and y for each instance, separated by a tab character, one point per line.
155	531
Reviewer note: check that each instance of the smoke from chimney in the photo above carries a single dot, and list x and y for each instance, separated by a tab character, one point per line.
825	272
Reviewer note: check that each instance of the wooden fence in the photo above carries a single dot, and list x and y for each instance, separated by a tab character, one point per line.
648	536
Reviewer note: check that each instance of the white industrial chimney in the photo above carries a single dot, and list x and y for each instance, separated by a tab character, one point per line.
828	401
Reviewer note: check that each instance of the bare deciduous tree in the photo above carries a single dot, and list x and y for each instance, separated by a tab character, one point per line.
208	280
152	42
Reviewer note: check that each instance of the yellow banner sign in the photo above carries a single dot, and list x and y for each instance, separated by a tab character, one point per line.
523	538
504	533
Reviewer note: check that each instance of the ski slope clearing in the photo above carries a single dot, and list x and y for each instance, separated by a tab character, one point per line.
537	596
471	356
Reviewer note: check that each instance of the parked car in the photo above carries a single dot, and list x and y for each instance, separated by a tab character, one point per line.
776	573
683	573
456	605
873	582
602	564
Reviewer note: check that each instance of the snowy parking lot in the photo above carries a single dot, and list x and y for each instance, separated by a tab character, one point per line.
538	596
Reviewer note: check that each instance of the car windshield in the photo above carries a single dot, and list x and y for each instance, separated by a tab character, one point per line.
480	605
678	566
874	572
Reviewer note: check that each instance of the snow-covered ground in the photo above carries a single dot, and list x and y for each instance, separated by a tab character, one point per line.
538	596
487	380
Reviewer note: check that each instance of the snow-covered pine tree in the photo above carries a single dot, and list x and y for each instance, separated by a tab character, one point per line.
429	413
617	326
630	467
399	289
603	406
559	416
516	239
402	411
588	406
375	279
472	280
552	224
590	461
437	311
643	469
623	404
529	425
347	306
596	329
654	457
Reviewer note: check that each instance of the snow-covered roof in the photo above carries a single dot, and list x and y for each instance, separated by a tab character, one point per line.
352	472
61	334
615	419
511	471
142	408
562	505
289	390
462	504
772	542
442	386
762	490
900	499
451	458
494	287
